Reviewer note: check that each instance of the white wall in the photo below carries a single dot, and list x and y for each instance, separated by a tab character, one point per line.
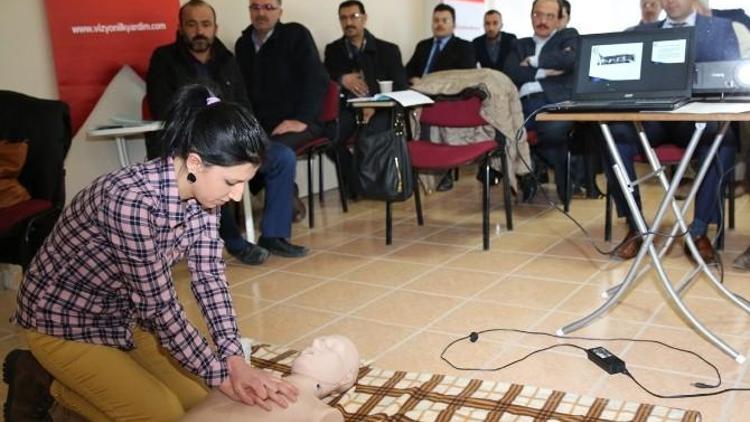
27	59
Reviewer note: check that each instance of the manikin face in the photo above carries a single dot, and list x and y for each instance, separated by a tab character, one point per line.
216	185
198	28
352	21
442	24
493	24
331	360
650	10
677	10
264	14
544	17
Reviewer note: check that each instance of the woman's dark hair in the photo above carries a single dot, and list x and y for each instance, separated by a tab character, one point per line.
222	133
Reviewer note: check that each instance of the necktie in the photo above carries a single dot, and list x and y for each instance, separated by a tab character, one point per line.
436	47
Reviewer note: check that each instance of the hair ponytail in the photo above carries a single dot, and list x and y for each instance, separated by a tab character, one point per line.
222	133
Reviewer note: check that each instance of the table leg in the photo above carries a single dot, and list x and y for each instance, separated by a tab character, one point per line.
648	235
122	151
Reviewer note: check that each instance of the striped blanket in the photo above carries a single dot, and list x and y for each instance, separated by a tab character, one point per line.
386	395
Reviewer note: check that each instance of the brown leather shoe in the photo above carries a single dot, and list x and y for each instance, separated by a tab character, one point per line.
28	382
629	247
705	249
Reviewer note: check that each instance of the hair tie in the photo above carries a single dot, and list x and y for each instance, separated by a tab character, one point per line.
212	100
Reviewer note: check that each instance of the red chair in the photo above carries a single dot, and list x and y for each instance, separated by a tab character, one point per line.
329	116
45	125
671	155
430	156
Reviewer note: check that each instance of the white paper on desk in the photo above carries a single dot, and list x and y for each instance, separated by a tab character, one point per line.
407	98
616	62
712	108
669	51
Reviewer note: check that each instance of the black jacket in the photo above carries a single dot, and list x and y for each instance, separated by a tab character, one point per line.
172	66
380	60
558	53
480	48
457	54
285	78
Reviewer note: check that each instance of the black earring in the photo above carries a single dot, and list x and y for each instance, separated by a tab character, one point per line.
191	178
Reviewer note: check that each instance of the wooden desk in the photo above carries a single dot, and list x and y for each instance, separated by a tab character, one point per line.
694	112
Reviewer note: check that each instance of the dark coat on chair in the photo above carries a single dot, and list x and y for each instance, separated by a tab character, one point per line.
456	54
480	48
715	38
558	53
380	60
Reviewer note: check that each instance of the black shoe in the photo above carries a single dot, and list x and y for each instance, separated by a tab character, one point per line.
446	183
528	186
495	176
281	247
28	382
251	254
300	211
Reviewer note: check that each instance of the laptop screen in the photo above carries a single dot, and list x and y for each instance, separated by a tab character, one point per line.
635	65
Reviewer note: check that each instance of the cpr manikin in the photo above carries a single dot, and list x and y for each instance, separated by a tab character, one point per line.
329	365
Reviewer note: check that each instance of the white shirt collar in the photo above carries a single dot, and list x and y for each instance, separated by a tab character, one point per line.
689	21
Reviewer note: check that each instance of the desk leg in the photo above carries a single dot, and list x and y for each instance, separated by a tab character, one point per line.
648	237
122	151
247	207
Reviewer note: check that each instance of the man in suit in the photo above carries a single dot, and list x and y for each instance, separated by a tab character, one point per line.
198	55
493	47
357	61
443	51
286	83
715	41
542	68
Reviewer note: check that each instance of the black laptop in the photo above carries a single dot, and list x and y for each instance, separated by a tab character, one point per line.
633	71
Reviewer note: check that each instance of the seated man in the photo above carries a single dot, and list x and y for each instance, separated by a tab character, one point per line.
542	68
357	61
715	41
493	47
198	54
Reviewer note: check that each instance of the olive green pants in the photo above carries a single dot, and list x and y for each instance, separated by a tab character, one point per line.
102	383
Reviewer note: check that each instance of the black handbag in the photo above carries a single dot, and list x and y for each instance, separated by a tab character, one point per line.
382	164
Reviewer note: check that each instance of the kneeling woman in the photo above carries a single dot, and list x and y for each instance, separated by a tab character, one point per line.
98	304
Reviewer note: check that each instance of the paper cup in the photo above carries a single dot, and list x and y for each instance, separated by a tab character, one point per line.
385	86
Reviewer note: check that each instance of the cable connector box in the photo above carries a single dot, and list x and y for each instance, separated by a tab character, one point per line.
604	359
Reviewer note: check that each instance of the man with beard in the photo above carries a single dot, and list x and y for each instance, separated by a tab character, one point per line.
198	56
542	68
358	61
493	47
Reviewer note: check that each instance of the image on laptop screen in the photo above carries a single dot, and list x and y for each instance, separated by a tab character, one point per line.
635	65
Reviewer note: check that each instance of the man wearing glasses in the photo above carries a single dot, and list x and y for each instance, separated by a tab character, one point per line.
542	68
357	61
285	81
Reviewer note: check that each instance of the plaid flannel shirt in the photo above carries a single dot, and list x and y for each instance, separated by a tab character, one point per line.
106	267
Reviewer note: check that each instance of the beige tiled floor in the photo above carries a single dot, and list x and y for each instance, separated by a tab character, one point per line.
401	304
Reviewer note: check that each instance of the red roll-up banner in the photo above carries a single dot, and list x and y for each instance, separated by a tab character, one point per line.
93	39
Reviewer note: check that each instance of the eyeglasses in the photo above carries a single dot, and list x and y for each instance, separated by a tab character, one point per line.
353	16
268	7
545	16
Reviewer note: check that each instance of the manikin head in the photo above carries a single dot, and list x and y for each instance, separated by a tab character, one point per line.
333	361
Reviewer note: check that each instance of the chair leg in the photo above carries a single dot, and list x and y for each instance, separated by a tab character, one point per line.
455	174
568	183
486	204
388	223
320	177
608	214
418	198
310	193
507	201
730	195
343	191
